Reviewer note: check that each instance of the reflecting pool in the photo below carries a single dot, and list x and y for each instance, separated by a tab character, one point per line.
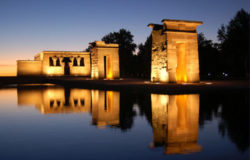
53	122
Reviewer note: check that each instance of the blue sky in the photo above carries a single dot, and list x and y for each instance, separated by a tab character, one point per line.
30	26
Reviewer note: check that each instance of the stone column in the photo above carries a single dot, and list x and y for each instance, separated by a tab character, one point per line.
94	64
54	60
61	61
72	61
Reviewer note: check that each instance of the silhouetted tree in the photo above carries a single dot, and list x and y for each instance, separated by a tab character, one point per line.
88	49
209	58
126	48
127	110
144	58
234	41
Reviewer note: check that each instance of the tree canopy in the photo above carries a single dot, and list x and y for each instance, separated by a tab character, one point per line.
126	49
234	44
144	58
209	58
230	57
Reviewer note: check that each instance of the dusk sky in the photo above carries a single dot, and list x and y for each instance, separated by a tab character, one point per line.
28	27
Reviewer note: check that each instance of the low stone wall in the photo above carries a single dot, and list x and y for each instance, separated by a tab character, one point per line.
29	68
53	70
80	71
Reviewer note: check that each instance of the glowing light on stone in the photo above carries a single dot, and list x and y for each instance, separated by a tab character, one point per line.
74	63
175	51
109	68
110	98
163	75
175	121
105	108
54	100
104	60
181	70
181	101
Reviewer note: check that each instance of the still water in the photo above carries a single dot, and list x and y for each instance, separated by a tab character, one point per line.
52	122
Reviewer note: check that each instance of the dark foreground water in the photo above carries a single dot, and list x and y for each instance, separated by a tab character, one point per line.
49	122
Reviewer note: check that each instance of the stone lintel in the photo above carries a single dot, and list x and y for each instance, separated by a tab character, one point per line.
180	25
179	31
182	21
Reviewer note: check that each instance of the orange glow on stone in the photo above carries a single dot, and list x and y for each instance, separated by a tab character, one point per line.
174	48
163	75
185	78
109	68
110	100
175	122
181	71
181	101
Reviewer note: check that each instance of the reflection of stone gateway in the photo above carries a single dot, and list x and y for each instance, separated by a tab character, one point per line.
175	120
105	108
104	63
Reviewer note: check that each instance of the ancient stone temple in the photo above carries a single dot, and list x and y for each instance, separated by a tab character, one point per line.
101	62
175	51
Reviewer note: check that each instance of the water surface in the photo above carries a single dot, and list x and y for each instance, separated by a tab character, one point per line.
52	122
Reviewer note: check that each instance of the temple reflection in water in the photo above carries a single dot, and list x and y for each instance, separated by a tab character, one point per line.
175	120
103	105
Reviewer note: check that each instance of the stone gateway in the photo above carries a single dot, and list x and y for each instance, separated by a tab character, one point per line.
175	51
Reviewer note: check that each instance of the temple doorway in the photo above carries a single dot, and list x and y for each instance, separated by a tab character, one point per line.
105	67
66	61
181	70
108	71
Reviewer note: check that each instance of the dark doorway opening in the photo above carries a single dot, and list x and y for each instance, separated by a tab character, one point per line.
105	101
105	67
66	61
67	95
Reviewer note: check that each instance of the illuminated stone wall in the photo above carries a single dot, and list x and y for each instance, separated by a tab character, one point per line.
175	51
101	63
29	68
159	56
175	121
60	56
104	57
